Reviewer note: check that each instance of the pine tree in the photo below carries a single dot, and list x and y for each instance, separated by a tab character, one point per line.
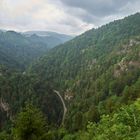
30	125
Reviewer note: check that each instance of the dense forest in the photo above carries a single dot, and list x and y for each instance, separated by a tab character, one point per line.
18	89
98	76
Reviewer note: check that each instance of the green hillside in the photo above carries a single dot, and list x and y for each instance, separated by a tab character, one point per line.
97	69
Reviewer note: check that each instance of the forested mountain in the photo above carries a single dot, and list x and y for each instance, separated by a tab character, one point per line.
97	70
18	50
97	74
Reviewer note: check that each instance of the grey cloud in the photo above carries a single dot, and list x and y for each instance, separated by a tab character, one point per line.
99	8
99	12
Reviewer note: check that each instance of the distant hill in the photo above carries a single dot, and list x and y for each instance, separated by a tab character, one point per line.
18	50
61	37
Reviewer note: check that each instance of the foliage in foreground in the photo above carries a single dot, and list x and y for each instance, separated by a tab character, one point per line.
123	124
29	125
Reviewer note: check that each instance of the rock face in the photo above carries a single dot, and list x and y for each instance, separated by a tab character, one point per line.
4	106
68	95
128	62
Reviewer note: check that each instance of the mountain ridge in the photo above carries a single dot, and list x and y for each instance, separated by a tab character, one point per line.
62	37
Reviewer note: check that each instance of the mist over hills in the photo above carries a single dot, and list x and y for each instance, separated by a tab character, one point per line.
62	37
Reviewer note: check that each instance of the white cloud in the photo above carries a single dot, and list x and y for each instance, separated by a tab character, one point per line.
66	16
24	15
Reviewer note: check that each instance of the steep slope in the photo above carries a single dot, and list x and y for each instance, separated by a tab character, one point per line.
80	54
96	69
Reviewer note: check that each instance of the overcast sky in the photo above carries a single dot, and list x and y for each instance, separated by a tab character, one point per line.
64	16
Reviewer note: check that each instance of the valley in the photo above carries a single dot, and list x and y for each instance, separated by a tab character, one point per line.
82	88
